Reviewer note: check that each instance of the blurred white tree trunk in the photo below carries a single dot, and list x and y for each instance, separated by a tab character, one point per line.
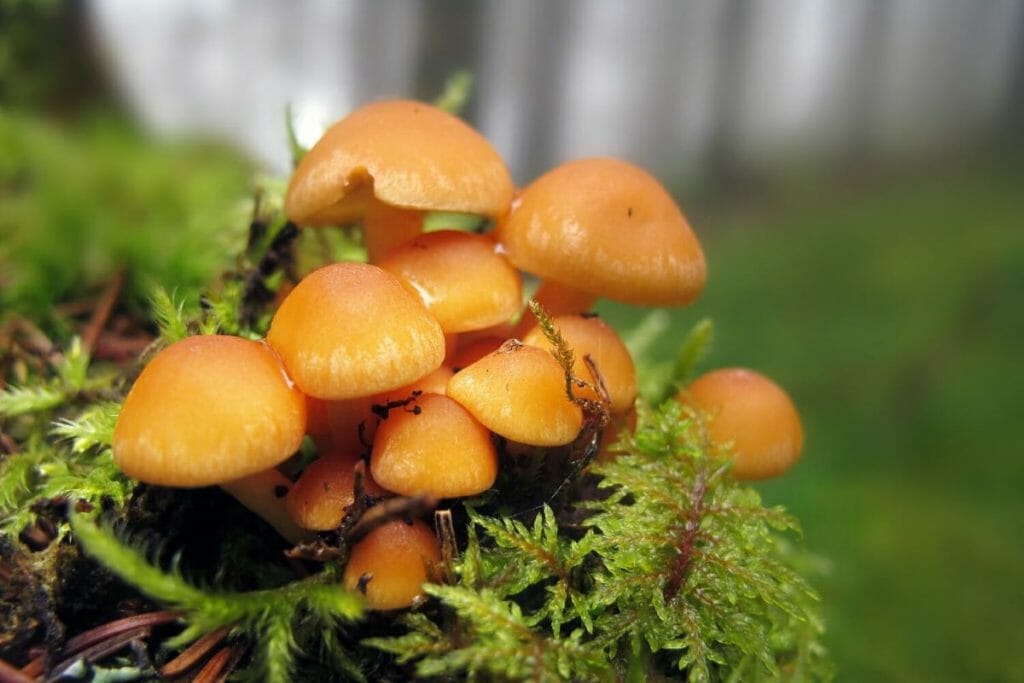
703	86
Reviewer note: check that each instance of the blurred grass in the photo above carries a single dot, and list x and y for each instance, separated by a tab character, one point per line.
82	202
892	312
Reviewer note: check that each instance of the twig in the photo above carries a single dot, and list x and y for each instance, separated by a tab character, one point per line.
388	510
101	313
220	665
98	651
93	636
193	653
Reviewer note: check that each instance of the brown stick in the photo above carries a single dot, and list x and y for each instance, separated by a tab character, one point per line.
101	313
193	653
92	636
212	670
96	652
388	510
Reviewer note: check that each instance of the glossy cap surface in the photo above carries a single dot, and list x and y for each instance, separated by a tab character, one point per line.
460	277
326	488
519	392
753	413
208	410
414	156
392	563
608	228
437	449
589	335
352	329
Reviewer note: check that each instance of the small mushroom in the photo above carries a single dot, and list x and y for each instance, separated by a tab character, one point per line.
591	336
460	277
323	492
754	414
351	329
214	410
389	162
392	563
519	392
435	448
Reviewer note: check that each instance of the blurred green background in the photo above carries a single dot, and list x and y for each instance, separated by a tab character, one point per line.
885	296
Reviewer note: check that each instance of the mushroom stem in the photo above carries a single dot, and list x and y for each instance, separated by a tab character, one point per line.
386	226
264	494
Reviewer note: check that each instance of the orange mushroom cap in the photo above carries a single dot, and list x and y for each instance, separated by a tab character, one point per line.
437	448
609	228
392	563
352	329
319	498
519	392
354	421
460	277
414	156
208	410
590	336
754	414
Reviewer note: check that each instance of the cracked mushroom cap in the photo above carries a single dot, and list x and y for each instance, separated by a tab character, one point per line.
392	563
208	410
519	392
434	447
754	414
609	228
461	278
351	329
410	154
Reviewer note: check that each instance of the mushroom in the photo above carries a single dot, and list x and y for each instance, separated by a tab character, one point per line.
391	161
351	329
603	228
214	410
392	563
434	447
323	492
588	335
754	414
519	392
460	277
353	422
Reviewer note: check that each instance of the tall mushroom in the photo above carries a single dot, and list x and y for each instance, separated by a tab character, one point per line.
389	162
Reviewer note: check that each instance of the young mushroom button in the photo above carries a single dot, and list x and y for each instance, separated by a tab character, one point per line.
392	563
589	336
754	414
390	161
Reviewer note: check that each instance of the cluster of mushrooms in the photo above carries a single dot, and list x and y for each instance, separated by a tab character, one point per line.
407	370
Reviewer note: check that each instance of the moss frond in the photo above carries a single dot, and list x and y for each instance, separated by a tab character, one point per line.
268	616
673	561
456	92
